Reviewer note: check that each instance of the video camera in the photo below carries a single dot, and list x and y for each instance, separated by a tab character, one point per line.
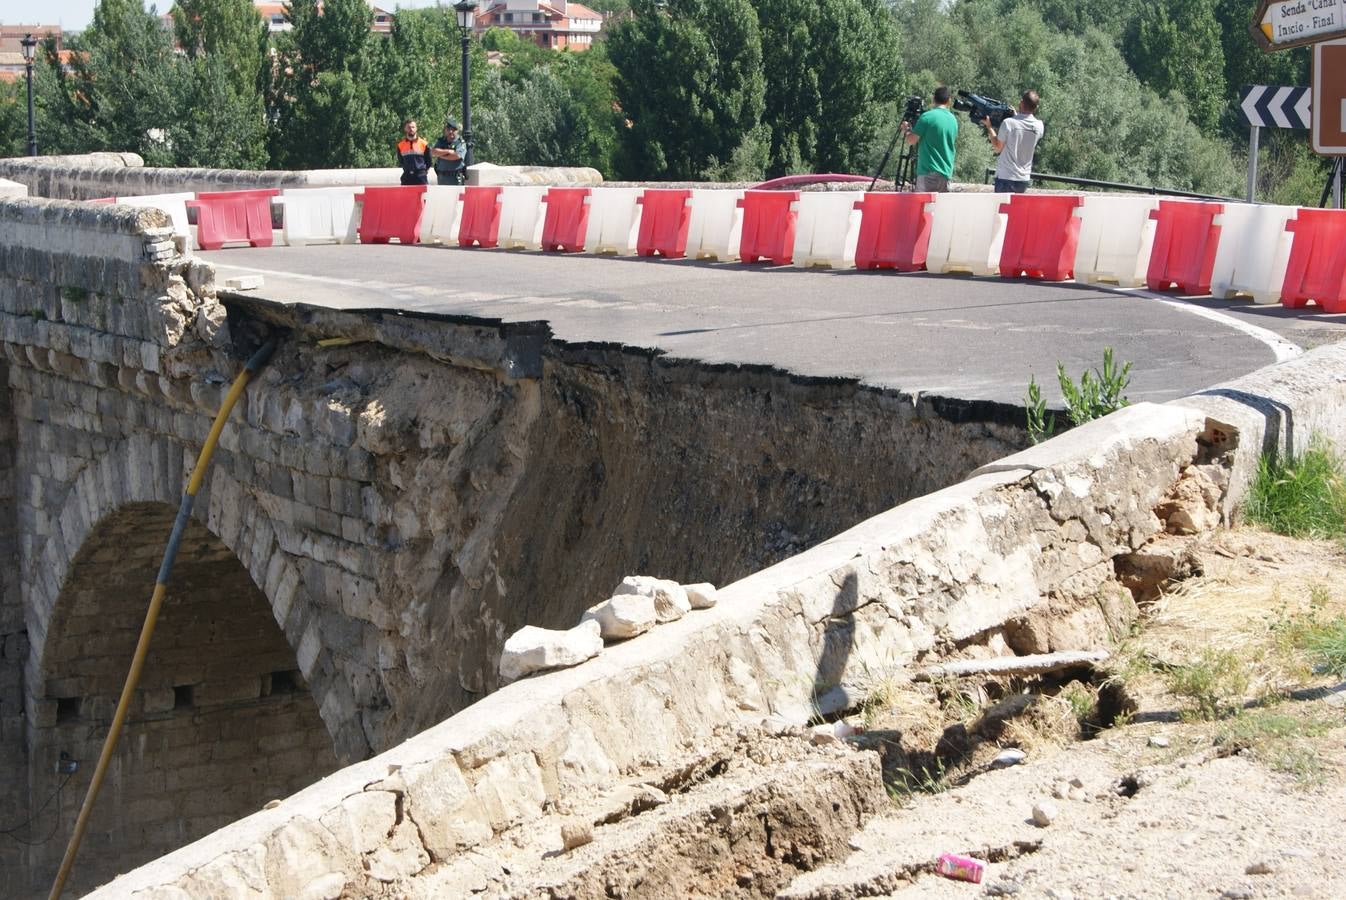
983	109
913	110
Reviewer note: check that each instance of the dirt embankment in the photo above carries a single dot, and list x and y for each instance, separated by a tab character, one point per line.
1206	758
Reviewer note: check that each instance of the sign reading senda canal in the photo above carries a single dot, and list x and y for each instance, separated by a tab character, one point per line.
1281	24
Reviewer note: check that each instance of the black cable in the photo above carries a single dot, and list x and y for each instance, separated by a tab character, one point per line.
9	832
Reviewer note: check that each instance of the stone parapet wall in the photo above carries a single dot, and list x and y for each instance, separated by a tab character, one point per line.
97	175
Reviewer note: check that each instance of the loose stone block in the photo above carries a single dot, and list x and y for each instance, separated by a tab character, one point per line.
670	598
623	616
532	649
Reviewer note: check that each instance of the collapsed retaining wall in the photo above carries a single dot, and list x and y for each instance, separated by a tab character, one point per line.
1045	530
403	496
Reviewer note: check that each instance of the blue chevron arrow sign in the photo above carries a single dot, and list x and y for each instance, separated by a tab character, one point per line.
1266	106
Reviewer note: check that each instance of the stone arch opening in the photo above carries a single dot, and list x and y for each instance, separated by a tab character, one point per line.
223	720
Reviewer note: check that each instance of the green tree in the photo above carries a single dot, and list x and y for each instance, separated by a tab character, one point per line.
13	119
222	121
689	82
1177	48
217	126
793	100
231	31
323	114
859	69
123	91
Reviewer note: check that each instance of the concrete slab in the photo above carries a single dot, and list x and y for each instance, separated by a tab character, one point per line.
951	336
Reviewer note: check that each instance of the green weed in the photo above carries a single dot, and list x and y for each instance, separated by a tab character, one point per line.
1041	424
1280	741
1083	703
1213	686
1098	393
1323	641
1304	497
903	784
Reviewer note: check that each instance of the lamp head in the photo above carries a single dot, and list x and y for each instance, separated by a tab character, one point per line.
467	13
29	44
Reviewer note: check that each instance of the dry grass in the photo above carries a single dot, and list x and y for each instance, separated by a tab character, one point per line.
1254	583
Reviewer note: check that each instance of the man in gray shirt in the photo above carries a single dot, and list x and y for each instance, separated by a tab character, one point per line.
1015	142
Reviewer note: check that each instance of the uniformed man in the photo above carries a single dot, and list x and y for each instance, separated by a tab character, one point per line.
450	153
413	155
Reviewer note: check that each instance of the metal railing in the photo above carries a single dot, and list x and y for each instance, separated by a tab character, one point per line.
1120	186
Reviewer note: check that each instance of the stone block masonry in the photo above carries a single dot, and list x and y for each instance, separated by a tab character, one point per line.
398	505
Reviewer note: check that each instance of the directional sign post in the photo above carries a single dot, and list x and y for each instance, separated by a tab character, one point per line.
1328	132
1282	24
1264	106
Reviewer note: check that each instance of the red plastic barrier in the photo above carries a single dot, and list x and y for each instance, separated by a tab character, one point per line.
1042	234
894	231
479	222
1317	268
226	216
1185	241
768	226
391	212
663	223
566	220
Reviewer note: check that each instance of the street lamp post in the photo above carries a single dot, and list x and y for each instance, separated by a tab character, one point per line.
467	14
29	44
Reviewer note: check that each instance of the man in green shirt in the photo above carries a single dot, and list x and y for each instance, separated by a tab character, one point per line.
934	136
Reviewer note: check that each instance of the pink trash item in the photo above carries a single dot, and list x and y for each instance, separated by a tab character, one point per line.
960	868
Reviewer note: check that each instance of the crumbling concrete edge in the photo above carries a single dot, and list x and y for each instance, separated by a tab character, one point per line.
1039	526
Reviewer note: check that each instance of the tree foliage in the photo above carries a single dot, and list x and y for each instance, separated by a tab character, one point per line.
1176	48
689	81
677	89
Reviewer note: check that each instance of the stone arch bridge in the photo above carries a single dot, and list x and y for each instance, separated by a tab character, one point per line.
394	496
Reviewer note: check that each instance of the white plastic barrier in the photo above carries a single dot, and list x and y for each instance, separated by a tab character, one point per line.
173	204
440	216
966	233
1116	238
521	216
318	216
828	228
1254	252
614	220
715	225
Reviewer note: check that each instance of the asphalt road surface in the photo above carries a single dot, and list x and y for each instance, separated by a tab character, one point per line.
947	335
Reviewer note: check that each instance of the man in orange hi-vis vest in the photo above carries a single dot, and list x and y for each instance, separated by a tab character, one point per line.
413	155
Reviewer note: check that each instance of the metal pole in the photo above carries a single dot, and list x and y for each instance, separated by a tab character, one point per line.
1336	182
32	132
467	103
1253	132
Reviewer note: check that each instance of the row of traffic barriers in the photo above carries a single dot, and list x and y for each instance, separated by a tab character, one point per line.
1273	253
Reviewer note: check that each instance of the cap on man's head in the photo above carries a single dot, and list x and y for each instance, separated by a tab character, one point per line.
451	124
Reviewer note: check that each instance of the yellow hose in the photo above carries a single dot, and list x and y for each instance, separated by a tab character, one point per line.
152	614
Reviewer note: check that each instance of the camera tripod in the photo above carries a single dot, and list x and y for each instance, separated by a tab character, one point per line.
904	178
1335	171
